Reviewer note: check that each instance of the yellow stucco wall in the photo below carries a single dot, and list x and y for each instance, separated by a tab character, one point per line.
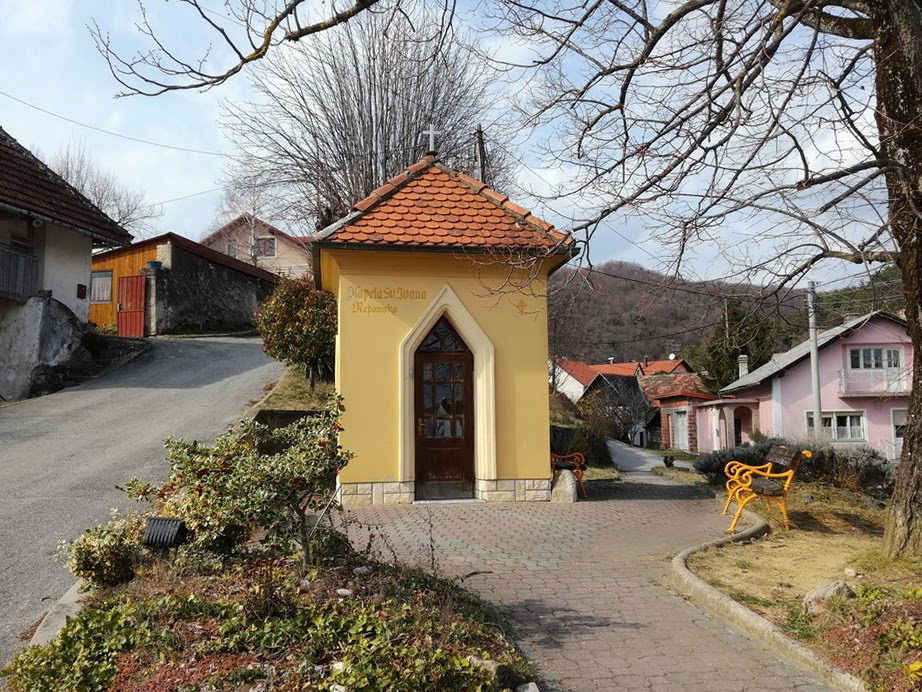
381	296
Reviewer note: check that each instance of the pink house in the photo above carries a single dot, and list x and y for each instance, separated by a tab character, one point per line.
865	379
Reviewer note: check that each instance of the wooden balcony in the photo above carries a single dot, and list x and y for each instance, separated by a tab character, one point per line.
873	383
18	274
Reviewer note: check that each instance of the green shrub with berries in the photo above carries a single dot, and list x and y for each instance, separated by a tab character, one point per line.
254	479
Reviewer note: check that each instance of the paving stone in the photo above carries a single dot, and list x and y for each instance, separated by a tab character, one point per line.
581	585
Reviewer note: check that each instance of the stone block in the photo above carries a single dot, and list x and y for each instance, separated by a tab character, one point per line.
537	484
505	485
393	488
377	493
483	485
499	496
537	495
356	500
399	498
520	491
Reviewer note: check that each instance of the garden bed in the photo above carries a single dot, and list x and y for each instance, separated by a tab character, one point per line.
835	535
293	392
179	626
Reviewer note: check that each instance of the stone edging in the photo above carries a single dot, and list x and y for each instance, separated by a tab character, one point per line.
721	605
66	607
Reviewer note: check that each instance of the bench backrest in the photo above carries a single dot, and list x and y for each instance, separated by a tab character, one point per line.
784	458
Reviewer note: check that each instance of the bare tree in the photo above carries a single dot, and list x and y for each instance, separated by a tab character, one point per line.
616	409
123	205
777	133
335	118
785	132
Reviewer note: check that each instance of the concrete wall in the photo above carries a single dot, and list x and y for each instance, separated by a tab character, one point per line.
43	331
65	263
191	294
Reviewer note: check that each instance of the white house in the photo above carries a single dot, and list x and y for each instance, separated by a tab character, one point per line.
47	234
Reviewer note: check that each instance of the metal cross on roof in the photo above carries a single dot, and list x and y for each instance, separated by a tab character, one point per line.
431	132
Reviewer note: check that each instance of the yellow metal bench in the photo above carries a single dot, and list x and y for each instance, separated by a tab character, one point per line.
770	481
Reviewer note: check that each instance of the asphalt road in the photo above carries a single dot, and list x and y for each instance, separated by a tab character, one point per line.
62	455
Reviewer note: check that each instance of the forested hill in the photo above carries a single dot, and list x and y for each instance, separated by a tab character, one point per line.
621	310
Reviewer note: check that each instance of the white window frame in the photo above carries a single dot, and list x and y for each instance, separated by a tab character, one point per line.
275	246
884	348
808	415
111	292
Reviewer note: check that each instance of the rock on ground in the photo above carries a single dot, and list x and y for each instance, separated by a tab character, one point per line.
816	598
564	488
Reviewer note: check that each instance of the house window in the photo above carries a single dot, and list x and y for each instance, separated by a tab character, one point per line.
840	426
264	247
874	358
101	287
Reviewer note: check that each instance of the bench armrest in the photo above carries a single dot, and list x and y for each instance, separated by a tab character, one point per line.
576	459
735	468
745	478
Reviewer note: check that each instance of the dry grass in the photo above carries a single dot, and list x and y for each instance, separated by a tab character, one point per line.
831	530
292	392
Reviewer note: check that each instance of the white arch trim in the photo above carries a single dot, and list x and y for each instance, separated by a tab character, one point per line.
447	303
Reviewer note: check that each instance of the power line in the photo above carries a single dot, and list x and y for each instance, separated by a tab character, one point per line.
114	134
177	199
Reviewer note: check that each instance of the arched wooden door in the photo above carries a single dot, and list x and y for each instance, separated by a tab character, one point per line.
444	378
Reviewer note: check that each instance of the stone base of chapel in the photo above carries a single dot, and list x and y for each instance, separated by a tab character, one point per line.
396	493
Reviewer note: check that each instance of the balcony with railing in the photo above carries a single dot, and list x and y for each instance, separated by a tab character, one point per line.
882	382
18	274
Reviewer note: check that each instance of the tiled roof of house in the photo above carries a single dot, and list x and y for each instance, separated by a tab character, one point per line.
679	384
580	371
258	225
202	251
654	367
618	368
431	206
29	186
782	361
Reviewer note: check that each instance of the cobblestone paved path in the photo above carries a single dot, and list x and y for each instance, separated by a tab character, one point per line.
584	586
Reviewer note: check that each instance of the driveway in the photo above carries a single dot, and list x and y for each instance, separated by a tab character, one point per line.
62	455
584	587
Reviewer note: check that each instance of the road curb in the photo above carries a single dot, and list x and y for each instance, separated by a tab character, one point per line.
706	596
66	607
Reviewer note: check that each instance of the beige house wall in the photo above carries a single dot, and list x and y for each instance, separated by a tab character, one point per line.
291	258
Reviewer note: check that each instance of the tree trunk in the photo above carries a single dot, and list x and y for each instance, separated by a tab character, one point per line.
311	378
898	62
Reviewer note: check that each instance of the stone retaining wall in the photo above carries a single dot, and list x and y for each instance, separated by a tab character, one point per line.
404	492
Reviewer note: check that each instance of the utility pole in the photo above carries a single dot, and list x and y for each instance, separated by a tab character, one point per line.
814	361
480	154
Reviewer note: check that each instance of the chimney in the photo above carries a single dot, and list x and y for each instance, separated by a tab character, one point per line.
611	360
646	361
743	361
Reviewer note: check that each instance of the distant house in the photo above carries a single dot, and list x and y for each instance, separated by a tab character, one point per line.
658	367
865	368
48	231
252	240
676	396
572	377
170	284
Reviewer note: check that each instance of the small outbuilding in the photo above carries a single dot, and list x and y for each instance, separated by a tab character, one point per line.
441	352
170	284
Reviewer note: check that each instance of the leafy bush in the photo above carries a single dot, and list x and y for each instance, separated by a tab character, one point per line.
855	468
253	478
106	555
593	447
298	326
712	465
82	656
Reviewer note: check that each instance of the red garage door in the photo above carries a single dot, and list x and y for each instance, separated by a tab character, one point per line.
131	305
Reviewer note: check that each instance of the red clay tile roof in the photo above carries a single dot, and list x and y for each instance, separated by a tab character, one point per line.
684	384
582	373
629	369
30	187
202	251
432	206
256	222
654	367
